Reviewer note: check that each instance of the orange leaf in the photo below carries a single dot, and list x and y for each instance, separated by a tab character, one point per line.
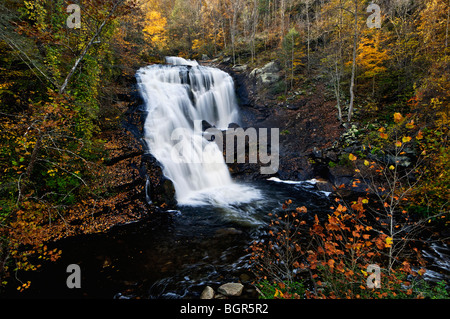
384	136
331	263
419	135
341	208
398	117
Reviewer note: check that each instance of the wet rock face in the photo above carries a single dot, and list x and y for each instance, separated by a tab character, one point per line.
159	190
306	120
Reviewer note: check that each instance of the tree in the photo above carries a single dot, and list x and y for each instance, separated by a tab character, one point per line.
371	57
292	53
155	29
308	30
341	30
50	152
392	179
355	46
432	27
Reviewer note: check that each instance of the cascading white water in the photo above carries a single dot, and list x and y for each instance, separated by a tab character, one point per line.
177	97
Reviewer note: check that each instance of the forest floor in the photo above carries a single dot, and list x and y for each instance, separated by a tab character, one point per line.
119	198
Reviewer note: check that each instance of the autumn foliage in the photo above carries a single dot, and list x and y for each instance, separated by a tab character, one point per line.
329	257
61	91
54	181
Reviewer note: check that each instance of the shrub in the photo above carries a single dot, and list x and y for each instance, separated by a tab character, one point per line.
332	262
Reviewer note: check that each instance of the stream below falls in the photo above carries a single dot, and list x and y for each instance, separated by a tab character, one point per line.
172	254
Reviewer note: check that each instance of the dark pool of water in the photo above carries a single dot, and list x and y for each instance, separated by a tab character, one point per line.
170	255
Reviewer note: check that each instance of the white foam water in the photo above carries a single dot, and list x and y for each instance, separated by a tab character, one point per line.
176	95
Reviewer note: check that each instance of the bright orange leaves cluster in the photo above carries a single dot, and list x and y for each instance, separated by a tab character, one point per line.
332	255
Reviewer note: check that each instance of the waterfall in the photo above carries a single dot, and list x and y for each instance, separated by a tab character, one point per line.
178	96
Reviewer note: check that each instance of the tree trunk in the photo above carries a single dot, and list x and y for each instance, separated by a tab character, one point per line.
338	91
254	29
446	28
352	81
308	33
282	8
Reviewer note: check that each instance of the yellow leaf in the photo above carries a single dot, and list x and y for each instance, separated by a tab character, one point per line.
398	117
419	135
406	139
366	163
391	167
421	271
365	201
410	125
352	157
277	293
389	241
398	144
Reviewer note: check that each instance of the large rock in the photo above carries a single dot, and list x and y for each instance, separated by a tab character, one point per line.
268	74
208	293
341	174
231	289
271	67
240	68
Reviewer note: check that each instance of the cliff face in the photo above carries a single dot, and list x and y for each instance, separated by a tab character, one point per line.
307	120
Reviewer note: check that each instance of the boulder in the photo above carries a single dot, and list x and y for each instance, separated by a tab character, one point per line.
271	67
269	78
341	174
233	125
268	74
208	293
240	68
231	289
